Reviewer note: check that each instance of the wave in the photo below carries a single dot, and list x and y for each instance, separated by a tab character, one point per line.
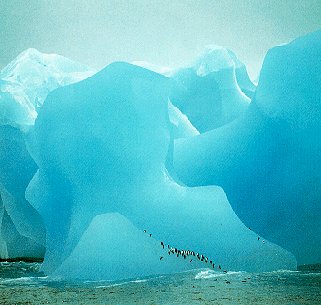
25	280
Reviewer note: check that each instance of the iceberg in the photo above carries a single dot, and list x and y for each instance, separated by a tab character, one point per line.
104	150
126	172
268	160
24	85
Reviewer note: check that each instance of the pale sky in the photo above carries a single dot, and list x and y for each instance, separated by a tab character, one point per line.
163	32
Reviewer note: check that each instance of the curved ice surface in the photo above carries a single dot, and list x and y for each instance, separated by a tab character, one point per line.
181	126
215	58
268	161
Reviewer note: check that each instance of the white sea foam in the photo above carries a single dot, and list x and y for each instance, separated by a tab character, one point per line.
122	283
212	274
21	281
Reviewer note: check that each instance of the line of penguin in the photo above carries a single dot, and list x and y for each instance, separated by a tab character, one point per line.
186	254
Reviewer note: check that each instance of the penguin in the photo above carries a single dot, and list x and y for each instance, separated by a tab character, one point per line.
219	267
258	238
145	231
161	258
162	244
190	260
150	235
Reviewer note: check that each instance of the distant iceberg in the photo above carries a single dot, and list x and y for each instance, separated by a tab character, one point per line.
213	90
27	80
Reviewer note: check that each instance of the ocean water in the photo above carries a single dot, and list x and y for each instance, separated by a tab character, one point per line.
22	283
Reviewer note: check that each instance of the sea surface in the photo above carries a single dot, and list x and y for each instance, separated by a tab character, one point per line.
23	283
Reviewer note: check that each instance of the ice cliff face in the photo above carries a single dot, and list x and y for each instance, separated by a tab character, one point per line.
268	161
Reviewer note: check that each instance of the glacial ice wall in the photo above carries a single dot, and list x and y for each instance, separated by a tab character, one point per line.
268	161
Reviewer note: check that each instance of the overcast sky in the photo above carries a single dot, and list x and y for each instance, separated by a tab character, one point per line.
172	33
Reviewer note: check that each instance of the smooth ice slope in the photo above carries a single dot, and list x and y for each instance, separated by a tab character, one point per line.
268	161
102	146
27	80
209	91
